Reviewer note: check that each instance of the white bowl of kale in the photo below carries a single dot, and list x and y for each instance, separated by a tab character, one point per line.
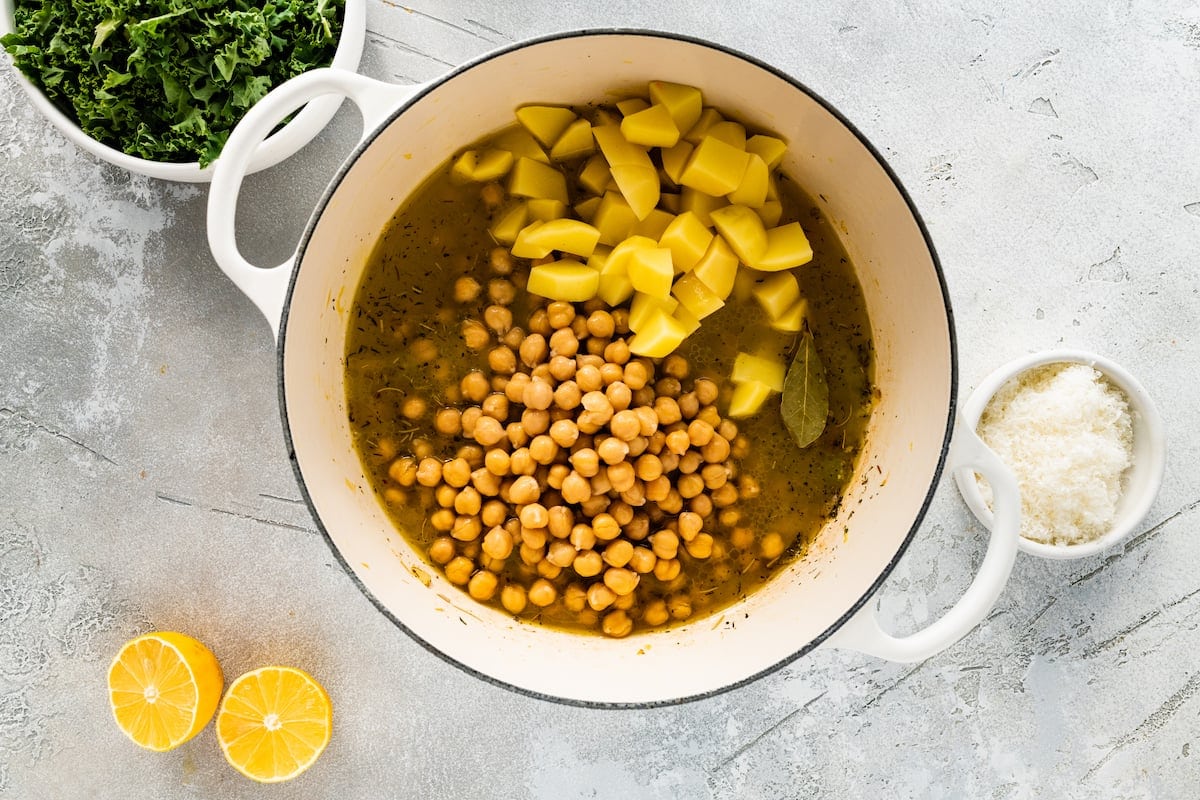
155	86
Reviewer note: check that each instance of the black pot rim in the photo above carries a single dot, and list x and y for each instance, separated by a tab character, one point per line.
369	139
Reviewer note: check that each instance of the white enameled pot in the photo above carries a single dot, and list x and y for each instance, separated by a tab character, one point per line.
821	598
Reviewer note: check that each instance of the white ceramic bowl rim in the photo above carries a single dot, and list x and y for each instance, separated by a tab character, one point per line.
367	142
299	131
1149	442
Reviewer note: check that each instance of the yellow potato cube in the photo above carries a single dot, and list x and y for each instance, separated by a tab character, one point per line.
700	204
618	258
715	167
545	210
546	123
614	218
747	399
482	166
639	185
595	175
599	258
689	321
619	151
718	268
506	229
744	283
651	271
688	239
707	118
644	305
575	142
602	117
615	289
768	148
669	201
752	191
531	178
654	224
732	133
651	127
632	105
770	213
792	320
521	144
586	209
777	294
684	102
744	231
694	295
748	367
565	280
787	247
538	240
659	335
674	159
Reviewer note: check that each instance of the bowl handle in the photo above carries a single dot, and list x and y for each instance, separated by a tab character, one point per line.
267	287
863	633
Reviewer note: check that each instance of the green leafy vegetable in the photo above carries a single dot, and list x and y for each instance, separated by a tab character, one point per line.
805	405
167	80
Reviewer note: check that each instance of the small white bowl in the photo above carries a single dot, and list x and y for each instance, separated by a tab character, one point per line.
1149	450
286	141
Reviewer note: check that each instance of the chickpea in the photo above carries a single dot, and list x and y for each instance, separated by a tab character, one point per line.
561	553
502	360
533	349
496	461
617	353
498	318
500	259
620	580
424	351
542	449
563	342
701	504
622	476
538	395
587	377
600	597
445	495
740	448
679	606
459	570
562	368
403	471
560	314
493	513
557	474
474	386
690	485
483	585
618	553
658	489
725	496
649	419
648	467
564	433
586	462
672	503
771	546
690	461
625	602
667	569
638	445
514	390
596	504
714	475
442	520
716	450
539	322
441	551
466	528
542	593
501	291
468	501
600	324
512	597
475	335
579	327
612	450
666	409
675	366
524	490
635	375
618	394
547	570
535	421
728	428
642	560
530	554
414	407
700	547
488	431
582	537
576	488
466	289
574	597
568	396
429	472
533	537
710	415
655	613
600	483
521	463
688	525
497	543
664	544
534	515
587	563
677	442
605	527
748	487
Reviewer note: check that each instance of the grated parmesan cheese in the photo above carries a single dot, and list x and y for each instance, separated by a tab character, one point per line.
1066	433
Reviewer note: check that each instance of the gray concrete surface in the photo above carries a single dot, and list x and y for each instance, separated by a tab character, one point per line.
1055	153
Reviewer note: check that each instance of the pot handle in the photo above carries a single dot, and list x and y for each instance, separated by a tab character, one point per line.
376	100
863	633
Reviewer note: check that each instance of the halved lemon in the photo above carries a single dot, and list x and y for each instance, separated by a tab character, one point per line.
163	688
273	723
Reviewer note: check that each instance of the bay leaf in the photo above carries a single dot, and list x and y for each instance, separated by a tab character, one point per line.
805	405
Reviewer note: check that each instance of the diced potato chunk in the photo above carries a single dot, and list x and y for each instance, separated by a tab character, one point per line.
531	178
599	258
639	185
674	159
792	320
732	133
546	123
618	259
770	213
787	247
614	288
545	210
749	367
482	166
694	295
718	268
651	271
715	167
521	144
744	231
586	209
614	218
752	191
708	117
506	229
644	305
651	127
684	316
595	175
655	223
566	280
575	142
659	335
744	283
700	204
684	102
619	151
777	294
747	399
538	240
688	239
768	148
632	105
